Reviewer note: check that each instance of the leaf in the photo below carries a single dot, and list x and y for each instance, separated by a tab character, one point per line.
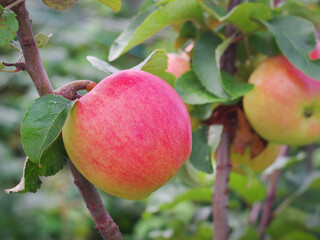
1	66
147	23
242	15
115	5
296	39
60	4
235	90
42	124
192	91
202	112
299	8
205	141
42	39
250	189
8	26
205	64
51	162
156	63
102	65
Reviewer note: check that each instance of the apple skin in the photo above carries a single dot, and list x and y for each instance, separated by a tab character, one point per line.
257	163
129	135
284	106
315	54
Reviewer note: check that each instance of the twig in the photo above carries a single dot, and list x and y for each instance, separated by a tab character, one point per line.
221	189
20	66
254	214
69	90
95	205
33	64
14	4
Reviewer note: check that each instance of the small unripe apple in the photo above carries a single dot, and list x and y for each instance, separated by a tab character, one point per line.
284	106
129	135
257	163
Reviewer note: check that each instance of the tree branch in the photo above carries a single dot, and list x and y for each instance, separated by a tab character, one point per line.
221	189
33	65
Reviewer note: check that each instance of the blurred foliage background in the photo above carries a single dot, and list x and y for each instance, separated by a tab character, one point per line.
179	210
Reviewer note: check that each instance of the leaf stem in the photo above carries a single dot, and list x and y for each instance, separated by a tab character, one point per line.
33	65
69	90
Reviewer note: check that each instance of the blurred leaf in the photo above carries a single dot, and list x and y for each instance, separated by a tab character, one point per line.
299	235
42	124
146	24
156	63
188	30
16	45
201	112
296	39
192	91
205	64
8	27
235	90
250	234
300	8
42	39
205	141
251	189
102	65
242	15
60	4
115	5
1	66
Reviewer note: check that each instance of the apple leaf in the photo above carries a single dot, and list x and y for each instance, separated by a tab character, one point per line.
295	37
156	63
192	91
115	5
205	64
241	16
1	66
147	23
51	162
42	124
235	90
8	26
205	141
42	39
201	112
60	4
250	189
102	65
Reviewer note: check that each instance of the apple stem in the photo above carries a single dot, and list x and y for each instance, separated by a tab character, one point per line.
69	90
221	189
34	66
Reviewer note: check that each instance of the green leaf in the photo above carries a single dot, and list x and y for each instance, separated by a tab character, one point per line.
53	159
202	112
235	90
156	63
242	16
296	39
115	5
1	66
250	189
192	91
42	124
102	65
51	162
301	9
205	64
42	39
147	23
8	26
188	30
205	141
60	4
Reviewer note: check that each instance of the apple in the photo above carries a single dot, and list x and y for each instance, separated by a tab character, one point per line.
284	106
315	54
129	135
257	163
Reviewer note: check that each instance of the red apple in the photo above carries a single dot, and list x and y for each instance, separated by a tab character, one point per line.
129	135
178	64
315	54
284	106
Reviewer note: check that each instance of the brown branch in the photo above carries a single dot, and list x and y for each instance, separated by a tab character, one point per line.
221	189
20	66
33	64
69	90
95	205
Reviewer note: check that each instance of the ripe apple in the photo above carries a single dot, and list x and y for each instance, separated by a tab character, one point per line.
129	135
178	64
257	163
284	106
315	54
